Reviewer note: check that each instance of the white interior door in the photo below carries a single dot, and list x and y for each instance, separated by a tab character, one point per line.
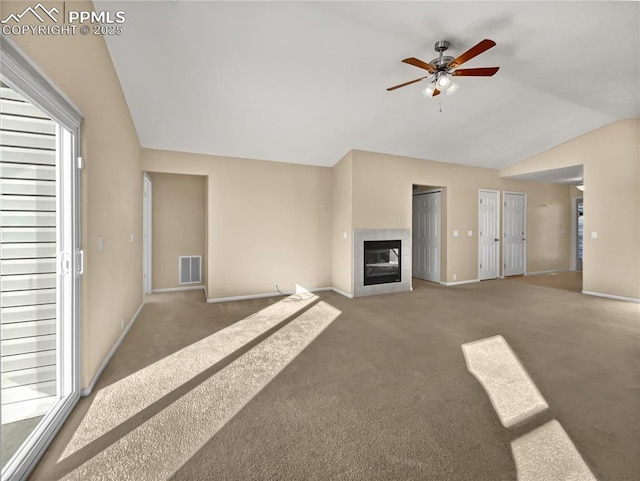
426	236
146	235
488	234
514	233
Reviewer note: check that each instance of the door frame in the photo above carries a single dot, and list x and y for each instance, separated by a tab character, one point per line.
525	226
437	190
21	74
499	233
147	235
574	233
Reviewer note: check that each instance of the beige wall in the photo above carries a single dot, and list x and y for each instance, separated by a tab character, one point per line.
382	191
610	156
80	66
342	249
268	222
179	225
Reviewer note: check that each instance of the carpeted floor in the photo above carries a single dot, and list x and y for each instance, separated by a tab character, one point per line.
568	281
383	393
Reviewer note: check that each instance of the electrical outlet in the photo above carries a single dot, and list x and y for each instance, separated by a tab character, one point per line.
122	323
455	277
307	284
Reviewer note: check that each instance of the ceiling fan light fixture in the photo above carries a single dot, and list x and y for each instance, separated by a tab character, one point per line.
443	81
429	90
452	87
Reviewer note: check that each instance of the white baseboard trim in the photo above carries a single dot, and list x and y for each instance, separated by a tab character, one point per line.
459	283
342	293
272	294
611	296
177	289
552	271
243	298
87	390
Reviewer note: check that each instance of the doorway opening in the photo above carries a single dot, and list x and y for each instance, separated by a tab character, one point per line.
175	232
578	226
427	227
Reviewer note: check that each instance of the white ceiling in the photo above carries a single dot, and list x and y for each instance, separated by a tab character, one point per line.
305	82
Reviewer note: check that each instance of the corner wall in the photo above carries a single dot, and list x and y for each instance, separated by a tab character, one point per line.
610	156
267	222
80	66
342	209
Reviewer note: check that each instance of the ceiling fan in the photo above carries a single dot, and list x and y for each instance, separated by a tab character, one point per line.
443	68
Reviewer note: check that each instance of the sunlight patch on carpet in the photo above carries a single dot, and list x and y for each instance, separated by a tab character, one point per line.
118	402
156	449
513	394
547	454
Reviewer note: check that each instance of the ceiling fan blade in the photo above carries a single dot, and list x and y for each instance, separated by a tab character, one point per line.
419	63
483	46
407	83
436	92
475	72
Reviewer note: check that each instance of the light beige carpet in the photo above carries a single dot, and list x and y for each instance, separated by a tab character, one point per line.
164	443
567	281
547	454
513	394
113	405
383	392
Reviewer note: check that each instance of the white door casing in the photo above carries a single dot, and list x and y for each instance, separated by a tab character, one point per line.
515	233
488	234
426	236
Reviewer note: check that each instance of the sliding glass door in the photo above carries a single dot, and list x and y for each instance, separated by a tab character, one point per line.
40	264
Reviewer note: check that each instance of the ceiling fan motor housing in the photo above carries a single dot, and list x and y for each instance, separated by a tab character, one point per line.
441	62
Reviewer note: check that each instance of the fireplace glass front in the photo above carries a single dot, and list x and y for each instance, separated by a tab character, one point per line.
382	262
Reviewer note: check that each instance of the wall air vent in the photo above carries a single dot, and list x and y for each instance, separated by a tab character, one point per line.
190	269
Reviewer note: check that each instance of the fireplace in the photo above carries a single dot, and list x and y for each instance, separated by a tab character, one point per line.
382	261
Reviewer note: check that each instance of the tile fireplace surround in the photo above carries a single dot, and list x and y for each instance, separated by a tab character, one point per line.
361	235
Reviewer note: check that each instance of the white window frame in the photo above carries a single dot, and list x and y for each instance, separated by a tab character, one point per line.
22	75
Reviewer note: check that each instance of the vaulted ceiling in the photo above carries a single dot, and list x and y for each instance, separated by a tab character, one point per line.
305	82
